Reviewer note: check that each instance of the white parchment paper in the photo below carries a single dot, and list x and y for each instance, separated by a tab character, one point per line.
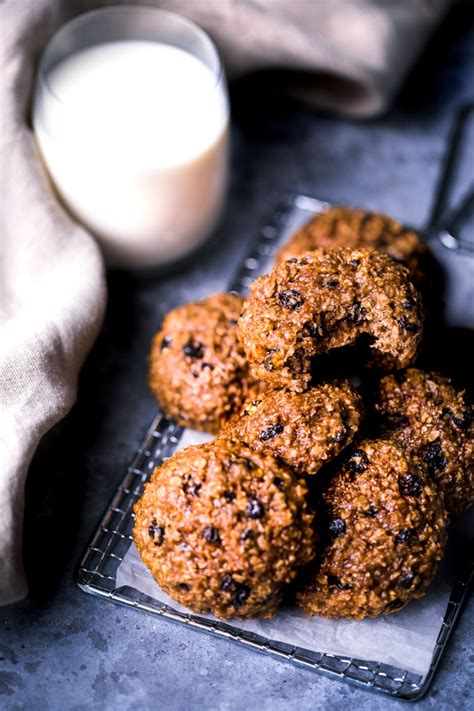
405	639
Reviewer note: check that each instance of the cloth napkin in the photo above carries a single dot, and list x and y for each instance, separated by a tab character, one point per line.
346	56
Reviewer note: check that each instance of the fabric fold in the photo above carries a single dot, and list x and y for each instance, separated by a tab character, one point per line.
349	57
52	289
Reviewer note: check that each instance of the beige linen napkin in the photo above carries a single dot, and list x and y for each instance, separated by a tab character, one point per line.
52	291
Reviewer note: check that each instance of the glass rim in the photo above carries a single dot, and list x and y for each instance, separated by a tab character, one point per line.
42	74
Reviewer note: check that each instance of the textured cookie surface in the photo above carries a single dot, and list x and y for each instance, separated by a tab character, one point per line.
304	430
429	418
222	528
341	226
198	370
383	534
324	300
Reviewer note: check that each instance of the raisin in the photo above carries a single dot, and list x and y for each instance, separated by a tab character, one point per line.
371	512
242	462
255	508
395	420
335	582
311	330
193	349
279	483
399	377
229	496
240	595
468	416
358	461
227	583
408	325
183	586
345	416
405	535
330	284
433	457
233	322
355	263
270	432
339	437
247	535
336	528
191	488
457	421
165	343
211	535
408	304
290	299
267	361
246	464
156	533
410	485
357	313
406	580
395	604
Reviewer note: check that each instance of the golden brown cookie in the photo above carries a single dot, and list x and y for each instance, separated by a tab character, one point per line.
198	370
223	528
342	226
324	300
383	532
305	430
429	418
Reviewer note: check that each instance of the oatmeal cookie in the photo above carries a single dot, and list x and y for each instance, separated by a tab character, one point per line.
198	370
429	418
223	528
324	300
342	226
383	532
304	430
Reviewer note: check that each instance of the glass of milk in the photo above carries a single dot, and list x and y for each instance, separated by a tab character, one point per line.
131	118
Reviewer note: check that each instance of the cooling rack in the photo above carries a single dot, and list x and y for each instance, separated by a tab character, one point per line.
96	573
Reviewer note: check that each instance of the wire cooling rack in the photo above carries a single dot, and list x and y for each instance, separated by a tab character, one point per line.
97	570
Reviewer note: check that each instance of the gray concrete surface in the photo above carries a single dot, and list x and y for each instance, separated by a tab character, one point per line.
62	649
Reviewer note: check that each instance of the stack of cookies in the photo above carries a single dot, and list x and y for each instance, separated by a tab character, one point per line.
314	490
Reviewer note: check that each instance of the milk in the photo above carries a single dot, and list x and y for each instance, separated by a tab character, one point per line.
135	137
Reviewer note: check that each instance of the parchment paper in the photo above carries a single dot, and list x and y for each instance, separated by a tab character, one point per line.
405	639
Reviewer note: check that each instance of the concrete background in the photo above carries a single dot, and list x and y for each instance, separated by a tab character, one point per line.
62	649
